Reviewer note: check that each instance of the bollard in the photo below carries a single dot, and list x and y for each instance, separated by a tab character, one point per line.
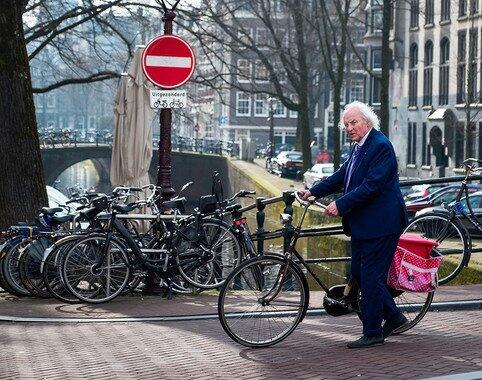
260	217
288	229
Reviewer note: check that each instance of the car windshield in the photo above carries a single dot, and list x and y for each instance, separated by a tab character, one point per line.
328	170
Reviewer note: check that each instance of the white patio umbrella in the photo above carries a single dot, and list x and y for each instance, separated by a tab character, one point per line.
132	145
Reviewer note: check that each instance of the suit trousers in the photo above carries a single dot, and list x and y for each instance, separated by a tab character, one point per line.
370	262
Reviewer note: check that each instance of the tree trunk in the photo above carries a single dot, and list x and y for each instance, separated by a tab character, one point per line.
22	187
385	80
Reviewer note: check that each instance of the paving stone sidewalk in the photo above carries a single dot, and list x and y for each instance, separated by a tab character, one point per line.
443	343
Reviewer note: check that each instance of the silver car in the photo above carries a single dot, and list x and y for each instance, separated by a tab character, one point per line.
317	173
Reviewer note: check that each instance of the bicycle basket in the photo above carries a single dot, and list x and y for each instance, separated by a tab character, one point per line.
207	204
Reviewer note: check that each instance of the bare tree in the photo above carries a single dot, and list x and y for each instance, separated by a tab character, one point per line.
287	56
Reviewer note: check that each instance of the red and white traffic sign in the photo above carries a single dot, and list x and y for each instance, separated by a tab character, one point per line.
168	61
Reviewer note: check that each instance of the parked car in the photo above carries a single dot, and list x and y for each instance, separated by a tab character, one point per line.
56	198
444	195
475	200
421	191
287	164
317	173
283	148
323	157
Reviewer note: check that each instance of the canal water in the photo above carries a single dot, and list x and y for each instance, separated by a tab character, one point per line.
81	176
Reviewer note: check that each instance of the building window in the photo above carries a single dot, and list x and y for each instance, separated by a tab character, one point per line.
376	59
412	144
461	66
472	74
428	74
355	64
414	12
462	8
243	104
261	72
245	36
445	11
474	6
425	147
444	72
375	90
412	76
377	20
429	12
356	90
244	70
279	109
262	38
261	105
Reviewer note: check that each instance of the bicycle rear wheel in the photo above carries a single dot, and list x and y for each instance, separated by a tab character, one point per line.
262	301
413	306
454	245
87	280
206	264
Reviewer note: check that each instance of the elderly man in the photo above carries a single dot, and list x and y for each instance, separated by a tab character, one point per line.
374	213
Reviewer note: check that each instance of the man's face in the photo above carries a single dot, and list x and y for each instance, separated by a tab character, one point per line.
356	125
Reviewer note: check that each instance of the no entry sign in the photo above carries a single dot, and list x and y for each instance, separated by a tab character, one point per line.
168	61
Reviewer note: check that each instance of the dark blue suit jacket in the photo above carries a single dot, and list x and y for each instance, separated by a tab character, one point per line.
372	206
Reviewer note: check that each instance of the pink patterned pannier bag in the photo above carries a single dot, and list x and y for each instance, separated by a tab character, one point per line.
414	270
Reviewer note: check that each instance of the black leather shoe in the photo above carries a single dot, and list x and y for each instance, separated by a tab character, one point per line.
367	341
392	325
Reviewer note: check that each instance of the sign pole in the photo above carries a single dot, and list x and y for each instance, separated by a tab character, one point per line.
164	150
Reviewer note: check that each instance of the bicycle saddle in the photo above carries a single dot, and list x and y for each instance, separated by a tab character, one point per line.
175	203
124	208
51	211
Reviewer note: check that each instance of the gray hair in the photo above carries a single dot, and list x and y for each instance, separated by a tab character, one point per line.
367	112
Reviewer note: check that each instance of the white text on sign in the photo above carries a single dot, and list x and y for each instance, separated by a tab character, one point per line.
168	99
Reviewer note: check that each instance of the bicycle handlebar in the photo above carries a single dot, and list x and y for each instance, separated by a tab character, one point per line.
310	201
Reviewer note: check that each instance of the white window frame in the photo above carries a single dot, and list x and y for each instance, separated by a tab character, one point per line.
239	94
240	78
263	100
257	65
360	84
278	103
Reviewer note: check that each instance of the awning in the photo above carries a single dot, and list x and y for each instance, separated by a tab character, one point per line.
438	114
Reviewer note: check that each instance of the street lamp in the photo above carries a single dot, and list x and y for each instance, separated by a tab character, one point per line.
271	101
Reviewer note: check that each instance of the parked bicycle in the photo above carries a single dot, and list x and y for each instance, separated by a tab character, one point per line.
265	298
446	227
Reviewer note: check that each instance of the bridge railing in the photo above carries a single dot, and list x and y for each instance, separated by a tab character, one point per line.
208	146
66	139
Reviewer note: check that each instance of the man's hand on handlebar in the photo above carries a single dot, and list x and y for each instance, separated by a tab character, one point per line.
304	194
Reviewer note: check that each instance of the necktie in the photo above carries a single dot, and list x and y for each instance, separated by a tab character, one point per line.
352	163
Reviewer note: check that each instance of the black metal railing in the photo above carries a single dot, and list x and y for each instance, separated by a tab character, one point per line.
204	146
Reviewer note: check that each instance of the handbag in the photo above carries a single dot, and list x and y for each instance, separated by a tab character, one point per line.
413	273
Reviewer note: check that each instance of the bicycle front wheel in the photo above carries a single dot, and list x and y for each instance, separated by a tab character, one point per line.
454	245
262	301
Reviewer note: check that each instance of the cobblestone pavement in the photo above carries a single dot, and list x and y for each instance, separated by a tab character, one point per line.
443	343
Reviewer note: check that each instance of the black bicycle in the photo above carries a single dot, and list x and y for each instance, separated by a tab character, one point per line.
266	297
98	267
446	226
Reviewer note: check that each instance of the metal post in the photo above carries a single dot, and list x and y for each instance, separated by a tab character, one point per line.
288	229
164	169
260	217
